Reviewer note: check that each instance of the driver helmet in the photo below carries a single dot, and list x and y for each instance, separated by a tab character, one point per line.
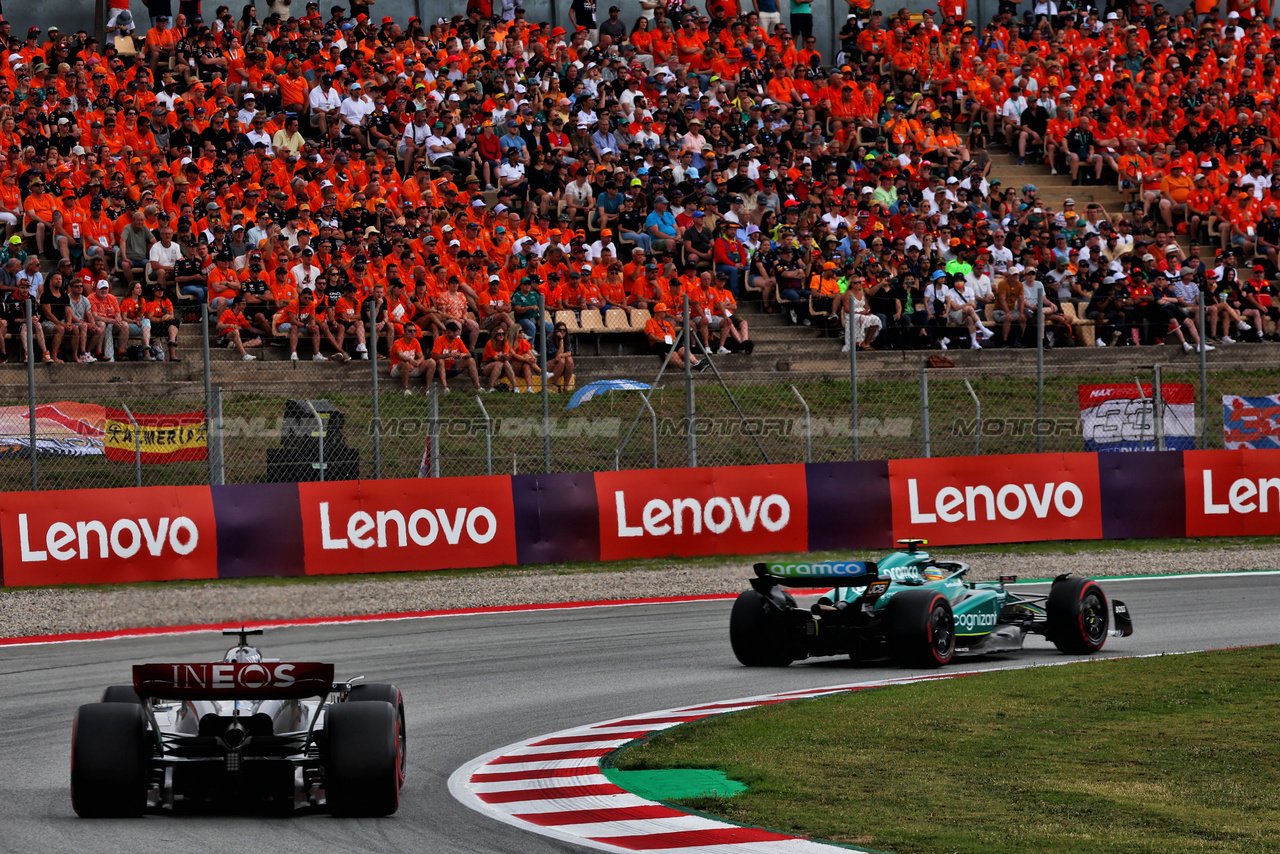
242	655
932	573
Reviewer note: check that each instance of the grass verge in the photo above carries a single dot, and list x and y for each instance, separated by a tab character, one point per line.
1174	755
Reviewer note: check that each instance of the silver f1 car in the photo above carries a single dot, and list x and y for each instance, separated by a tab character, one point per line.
243	733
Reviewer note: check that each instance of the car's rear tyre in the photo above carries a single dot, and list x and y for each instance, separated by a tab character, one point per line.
121	694
757	635
109	760
1079	616
922	629
385	693
362	759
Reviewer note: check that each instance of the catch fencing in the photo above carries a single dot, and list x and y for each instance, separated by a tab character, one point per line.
796	398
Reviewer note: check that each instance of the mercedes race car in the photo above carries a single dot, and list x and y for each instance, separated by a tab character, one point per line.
913	610
246	733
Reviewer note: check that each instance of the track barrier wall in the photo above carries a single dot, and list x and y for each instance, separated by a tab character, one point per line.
200	532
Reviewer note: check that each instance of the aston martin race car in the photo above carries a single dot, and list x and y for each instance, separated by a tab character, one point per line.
914	610
246	733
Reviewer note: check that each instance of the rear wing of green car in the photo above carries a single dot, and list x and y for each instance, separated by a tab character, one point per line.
830	574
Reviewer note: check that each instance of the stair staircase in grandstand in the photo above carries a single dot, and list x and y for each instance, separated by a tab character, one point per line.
1054	189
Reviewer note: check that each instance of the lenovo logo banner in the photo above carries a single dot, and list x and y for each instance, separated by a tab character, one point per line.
1232	493
399	525
997	499
741	510
99	536
230	681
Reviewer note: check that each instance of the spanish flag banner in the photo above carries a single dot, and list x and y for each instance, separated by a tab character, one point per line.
177	438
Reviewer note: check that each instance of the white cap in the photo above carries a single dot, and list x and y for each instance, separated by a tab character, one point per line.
103	283
454	243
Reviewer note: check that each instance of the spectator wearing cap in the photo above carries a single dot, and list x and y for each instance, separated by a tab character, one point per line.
453	356
524	307
161	41
698	240
325	107
158	310
232	327
660	332
355	111
114	329
408	360
729	255
661	225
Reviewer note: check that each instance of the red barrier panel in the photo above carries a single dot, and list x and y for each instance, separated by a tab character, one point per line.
399	525
169	533
997	499
739	510
1232	493
101	536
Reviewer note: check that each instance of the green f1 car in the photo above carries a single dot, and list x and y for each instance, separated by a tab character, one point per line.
913	610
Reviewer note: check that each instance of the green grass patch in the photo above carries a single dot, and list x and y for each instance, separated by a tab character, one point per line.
1169	755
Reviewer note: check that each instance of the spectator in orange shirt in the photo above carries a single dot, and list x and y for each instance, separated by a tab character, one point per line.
497	360
232	323
107	310
661	333
453	357
1175	189
407	359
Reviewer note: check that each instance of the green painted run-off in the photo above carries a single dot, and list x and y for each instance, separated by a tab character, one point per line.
673	784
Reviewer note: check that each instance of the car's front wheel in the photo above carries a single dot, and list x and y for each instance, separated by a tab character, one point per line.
922	629
1079	616
757	633
109	760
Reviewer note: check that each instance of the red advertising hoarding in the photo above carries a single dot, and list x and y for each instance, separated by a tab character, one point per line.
997	499
104	536
405	525
739	510
1232	493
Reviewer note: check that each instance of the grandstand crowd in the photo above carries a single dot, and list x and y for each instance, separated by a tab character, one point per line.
348	182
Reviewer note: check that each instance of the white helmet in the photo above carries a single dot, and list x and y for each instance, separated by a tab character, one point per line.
243	655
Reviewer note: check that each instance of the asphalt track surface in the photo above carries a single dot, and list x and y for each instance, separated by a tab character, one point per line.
475	683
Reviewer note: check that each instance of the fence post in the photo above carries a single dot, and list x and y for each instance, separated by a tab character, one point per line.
488	437
371	340
1204	375
977	420
546	392
208	384
808	431
214	441
925	450
31	396
320	424
690	409
137	447
853	386
653	420
1142	419
433	429
1040	375
1157	407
